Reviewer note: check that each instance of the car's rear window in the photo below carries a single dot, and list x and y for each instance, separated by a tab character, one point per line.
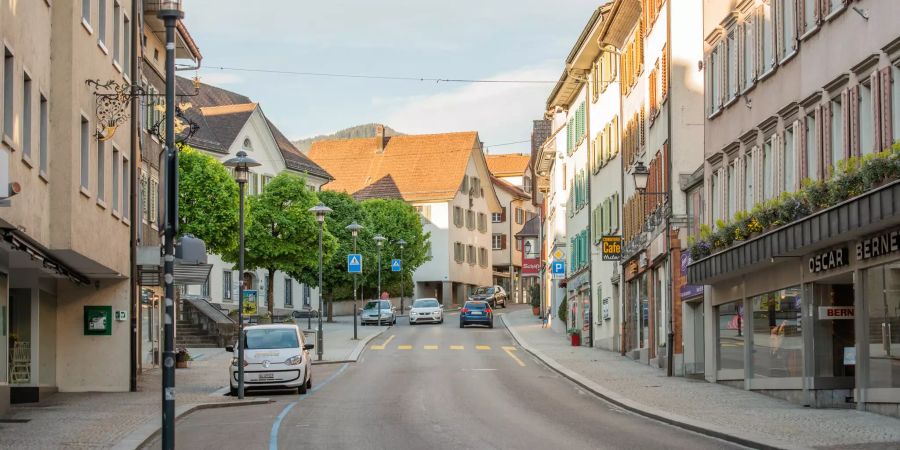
257	339
476	305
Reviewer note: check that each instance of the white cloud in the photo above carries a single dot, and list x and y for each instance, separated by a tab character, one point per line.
500	112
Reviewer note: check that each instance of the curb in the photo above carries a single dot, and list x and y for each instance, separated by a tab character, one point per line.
152	428
696	426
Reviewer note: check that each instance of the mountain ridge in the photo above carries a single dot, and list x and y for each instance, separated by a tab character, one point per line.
359	131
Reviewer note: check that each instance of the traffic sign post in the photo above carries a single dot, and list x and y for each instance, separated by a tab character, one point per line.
396	265
354	263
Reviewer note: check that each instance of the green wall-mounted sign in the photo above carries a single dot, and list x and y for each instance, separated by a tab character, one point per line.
98	320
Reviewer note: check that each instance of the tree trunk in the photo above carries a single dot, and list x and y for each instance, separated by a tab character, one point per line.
330	308
270	293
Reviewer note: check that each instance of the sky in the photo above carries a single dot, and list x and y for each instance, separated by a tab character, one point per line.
458	39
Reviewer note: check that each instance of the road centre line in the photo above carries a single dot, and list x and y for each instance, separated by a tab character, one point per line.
404	347
482	347
457	347
431	347
509	351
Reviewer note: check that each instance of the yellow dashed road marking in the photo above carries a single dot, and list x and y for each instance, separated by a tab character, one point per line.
404	347
457	347
381	347
431	347
509	351
482	347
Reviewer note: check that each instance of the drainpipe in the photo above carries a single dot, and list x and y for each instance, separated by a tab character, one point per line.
670	337
137	9
587	129
511	217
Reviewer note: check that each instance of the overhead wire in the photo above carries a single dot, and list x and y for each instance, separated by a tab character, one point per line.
376	77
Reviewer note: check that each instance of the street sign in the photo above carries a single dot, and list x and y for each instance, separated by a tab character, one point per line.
559	254
396	265
354	263
558	269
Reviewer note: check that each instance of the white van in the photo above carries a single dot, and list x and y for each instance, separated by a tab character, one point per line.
275	357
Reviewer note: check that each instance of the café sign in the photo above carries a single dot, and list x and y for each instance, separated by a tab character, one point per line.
831	259
612	248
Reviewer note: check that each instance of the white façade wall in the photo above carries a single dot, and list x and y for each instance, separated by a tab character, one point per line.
436	220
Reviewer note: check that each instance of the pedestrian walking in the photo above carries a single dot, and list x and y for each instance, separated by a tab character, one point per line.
546	323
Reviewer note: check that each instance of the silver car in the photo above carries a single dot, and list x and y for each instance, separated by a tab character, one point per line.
426	310
371	309
275	357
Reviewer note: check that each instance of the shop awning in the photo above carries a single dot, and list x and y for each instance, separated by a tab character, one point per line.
847	221
41	257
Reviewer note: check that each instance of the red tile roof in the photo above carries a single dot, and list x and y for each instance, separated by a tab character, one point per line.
412	167
513	164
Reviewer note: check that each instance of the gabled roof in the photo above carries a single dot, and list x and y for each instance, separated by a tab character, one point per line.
509	165
411	167
511	188
222	114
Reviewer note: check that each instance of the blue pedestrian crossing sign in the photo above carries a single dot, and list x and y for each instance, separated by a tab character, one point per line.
396	265
354	263
558	268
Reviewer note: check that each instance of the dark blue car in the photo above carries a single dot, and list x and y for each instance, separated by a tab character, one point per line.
476	313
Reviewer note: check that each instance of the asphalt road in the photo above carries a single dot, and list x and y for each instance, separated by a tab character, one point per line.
435	386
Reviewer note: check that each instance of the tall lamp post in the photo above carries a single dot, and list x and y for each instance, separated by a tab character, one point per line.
170	12
241	164
354	230
402	244
640	173
320	211
379	240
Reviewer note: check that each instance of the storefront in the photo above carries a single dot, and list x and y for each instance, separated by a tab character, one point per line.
810	312
578	291
694	320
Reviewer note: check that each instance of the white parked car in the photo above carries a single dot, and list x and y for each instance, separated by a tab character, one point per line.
426	310
275	357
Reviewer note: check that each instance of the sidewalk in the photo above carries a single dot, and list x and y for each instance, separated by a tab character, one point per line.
125	419
753	419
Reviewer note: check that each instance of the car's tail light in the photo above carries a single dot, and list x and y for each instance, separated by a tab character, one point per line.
465	310
488	311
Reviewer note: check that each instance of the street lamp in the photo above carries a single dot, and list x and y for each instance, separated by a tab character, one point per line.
641	175
170	11
379	240
241	164
354	230
402	244
320	211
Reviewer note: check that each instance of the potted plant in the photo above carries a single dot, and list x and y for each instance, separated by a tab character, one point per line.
575	335
182	357
535	294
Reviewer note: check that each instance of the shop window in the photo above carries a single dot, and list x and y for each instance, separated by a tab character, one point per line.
835	341
730	340
882	294
777	334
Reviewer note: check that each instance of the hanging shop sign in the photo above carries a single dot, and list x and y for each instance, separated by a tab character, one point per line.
882	244
831	259
836	312
611	247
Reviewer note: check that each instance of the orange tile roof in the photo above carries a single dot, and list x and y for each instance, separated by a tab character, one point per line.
411	167
508	165
227	109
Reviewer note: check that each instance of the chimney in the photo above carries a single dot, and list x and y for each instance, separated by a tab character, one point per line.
379	138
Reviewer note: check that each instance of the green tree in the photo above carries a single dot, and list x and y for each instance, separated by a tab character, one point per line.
207	202
395	220
283	235
338	281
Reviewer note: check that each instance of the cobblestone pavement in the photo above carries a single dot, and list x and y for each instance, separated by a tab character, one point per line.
102	419
725	407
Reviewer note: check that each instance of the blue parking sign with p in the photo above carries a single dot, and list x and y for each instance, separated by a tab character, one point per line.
396	265
558	268
354	263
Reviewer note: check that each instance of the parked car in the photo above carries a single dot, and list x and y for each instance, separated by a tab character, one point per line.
495	295
476	312
305	313
275	357
370	313
426	310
